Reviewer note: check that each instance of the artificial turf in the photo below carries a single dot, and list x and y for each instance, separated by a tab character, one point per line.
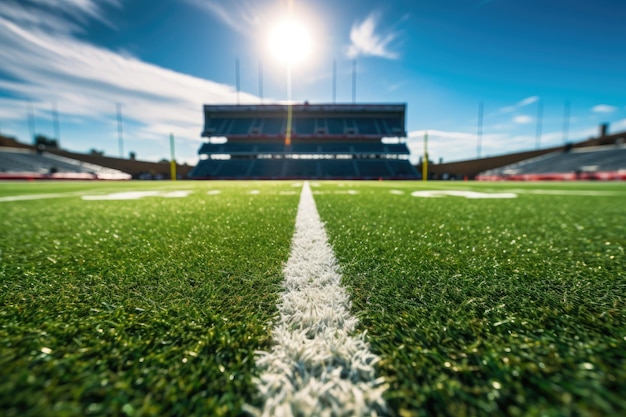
156	306
488	306
140	307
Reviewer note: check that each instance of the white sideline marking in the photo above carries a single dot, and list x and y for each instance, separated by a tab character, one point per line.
396	192
136	195
317	367
567	192
214	192
38	196
466	194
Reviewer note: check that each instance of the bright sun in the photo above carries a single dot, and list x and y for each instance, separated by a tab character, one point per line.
289	42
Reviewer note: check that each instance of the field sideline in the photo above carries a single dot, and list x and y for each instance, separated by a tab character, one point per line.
151	298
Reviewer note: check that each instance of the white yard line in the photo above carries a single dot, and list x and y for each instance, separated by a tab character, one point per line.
27	197
318	365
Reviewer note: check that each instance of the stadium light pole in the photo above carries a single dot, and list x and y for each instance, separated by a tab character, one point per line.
55	122
31	120
354	81
237	78
425	160
261	81
120	136
334	81
539	124
480	129
566	111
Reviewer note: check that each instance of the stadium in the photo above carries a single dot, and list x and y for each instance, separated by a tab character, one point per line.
324	141
310	259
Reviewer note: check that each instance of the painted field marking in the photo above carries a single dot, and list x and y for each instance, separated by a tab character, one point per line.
568	192
38	196
317	366
136	195
466	194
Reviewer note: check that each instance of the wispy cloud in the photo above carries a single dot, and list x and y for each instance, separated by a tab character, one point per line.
522	103
242	16
458	145
49	16
522	119
366	41
603	108
86	81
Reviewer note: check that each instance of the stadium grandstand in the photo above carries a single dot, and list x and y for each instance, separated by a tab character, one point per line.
590	163
602	157
24	161
312	141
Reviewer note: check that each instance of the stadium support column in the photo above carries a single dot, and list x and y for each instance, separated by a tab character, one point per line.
173	159
425	159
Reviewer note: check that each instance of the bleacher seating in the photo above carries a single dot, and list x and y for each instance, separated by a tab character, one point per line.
339	168
575	161
327	141
14	160
302	168
268	168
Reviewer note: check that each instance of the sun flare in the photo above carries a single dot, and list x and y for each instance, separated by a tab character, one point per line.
290	42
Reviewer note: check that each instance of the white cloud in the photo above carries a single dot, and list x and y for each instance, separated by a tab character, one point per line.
48	15
459	146
603	108
522	119
243	16
87	81
366	42
522	103
619	125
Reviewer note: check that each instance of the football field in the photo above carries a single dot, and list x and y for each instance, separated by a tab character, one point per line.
158	298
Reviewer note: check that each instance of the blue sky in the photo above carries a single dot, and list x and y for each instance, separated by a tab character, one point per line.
160	60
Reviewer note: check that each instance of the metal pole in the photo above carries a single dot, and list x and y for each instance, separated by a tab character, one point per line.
261	81
566	112
539	124
31	120
57	129
237	78
354	81
480	129
334	81
120	133
425	160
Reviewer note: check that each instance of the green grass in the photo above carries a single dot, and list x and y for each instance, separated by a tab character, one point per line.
488	307
140	307
156	306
